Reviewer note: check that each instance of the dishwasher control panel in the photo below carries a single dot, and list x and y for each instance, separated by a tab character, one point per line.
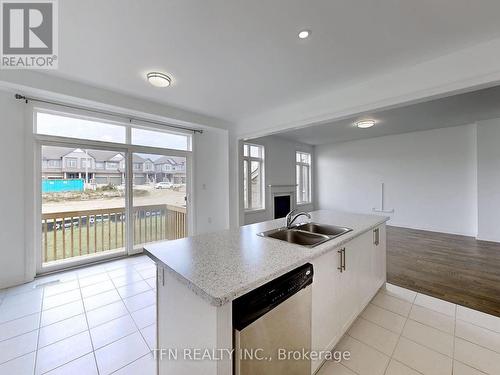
253	305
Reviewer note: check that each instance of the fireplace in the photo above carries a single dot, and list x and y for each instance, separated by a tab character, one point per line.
282	205
280	199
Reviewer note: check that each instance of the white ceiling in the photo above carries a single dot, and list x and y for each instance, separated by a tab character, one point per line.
234	59
454	110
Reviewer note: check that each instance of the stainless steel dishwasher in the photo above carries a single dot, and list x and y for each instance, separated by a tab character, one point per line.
271	320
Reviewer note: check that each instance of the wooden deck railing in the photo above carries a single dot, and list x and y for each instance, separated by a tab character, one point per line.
76	233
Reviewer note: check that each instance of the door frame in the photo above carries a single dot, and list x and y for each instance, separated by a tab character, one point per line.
33	208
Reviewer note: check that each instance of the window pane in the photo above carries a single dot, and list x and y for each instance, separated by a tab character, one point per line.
303	173
305	184
245	183
298	182
245	150
159	198
83	208
302	157
255	151
71	127
256	184
152	138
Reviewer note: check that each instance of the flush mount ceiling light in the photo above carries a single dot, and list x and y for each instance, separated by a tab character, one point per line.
159	79
365	124
304	34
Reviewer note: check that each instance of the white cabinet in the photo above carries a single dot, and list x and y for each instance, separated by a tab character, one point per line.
379	253
345	280
350	283
325	315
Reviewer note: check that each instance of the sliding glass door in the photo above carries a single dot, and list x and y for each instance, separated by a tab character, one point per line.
106	189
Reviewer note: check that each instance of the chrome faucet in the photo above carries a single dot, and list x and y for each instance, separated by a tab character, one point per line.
290	217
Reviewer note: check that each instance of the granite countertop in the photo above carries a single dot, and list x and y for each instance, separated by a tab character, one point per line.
222	266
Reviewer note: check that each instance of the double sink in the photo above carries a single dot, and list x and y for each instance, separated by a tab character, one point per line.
306	234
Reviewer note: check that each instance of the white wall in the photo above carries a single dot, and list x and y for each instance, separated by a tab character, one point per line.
488	178
12	235
429	176
211	180
279	170
211	189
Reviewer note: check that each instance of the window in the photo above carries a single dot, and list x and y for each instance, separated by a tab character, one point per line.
117	212
153	138
303	177
71	163
253	176
86	163
72	127
111	165
54	164
94	129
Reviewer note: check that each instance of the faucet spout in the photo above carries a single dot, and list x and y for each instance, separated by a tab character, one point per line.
290	217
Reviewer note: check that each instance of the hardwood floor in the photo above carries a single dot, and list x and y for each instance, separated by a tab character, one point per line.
455	268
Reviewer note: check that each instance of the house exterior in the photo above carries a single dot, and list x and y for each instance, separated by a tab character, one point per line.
144	170
171	169
108	167
99	167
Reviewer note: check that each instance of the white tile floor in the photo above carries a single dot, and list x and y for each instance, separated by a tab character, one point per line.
406	333
101	320
95	320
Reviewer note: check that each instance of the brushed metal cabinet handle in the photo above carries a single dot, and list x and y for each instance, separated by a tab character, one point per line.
343	264
376	236
340	268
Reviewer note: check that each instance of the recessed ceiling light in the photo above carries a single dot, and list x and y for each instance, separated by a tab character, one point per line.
365	124
159	79
304	34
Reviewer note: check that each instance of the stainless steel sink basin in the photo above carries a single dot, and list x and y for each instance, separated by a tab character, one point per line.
332	231
296	236
308	234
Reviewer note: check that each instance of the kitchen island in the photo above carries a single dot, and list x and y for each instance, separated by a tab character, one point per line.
199	277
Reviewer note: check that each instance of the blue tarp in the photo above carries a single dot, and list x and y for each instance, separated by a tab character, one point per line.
57	186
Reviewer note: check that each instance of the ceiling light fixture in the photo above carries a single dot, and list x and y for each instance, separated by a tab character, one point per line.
304	34
159	79
365	124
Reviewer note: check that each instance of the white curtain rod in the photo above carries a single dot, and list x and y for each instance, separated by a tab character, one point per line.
129	118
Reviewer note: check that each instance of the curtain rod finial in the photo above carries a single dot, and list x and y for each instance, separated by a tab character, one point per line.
19	96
